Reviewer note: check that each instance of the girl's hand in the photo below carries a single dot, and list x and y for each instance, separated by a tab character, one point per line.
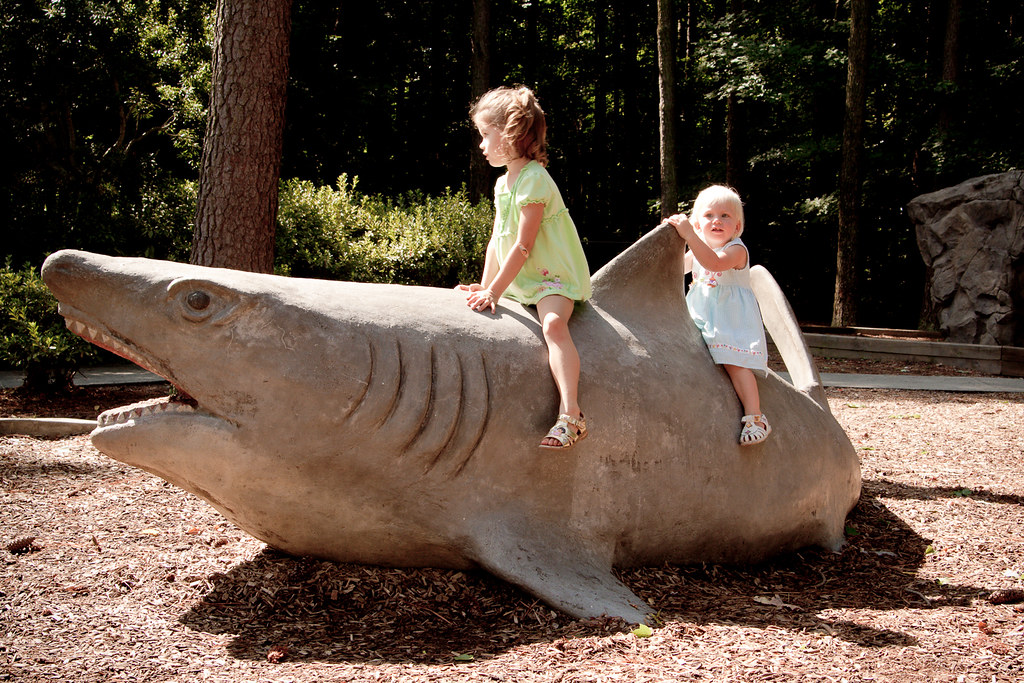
682	225
469	288
481	298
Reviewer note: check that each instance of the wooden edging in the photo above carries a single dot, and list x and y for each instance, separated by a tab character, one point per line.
53	427
996	360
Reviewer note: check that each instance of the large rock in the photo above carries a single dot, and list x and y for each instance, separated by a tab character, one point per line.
971	237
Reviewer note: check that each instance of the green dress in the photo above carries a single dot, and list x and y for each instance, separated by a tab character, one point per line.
556	264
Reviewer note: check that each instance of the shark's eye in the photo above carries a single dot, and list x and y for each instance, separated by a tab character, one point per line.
202	301
198	300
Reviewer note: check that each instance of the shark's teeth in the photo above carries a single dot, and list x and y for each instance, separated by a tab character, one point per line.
182	404
103	339
136	411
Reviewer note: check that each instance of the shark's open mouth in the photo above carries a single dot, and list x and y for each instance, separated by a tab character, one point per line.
178	403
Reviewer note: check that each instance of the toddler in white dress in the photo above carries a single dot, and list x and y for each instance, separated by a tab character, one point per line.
720	299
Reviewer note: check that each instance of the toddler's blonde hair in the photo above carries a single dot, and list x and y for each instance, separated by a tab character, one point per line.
720	194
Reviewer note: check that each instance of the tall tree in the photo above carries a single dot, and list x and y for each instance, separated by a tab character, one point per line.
667	107
237	205
844	306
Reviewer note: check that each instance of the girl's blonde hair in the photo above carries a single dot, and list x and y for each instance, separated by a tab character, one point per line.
516	113
720	194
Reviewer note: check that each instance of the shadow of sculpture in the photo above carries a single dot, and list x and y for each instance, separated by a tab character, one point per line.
329	612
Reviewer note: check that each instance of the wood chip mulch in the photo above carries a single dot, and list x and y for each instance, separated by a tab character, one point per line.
108	573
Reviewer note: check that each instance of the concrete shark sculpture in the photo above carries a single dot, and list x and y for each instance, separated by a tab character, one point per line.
392	425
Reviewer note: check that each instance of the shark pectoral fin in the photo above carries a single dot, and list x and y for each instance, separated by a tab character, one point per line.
782	326
557	568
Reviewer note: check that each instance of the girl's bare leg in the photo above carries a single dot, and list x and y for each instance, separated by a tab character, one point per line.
554	312
745	383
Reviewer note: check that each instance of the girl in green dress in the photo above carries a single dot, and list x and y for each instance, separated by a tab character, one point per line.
534	256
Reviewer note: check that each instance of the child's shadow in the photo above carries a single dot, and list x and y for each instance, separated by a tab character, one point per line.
326	611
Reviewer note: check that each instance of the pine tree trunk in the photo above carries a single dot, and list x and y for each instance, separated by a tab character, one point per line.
844	306
241	163
950	65
480	76
734	156
667	108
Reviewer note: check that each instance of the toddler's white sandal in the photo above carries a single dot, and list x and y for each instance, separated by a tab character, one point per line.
752	432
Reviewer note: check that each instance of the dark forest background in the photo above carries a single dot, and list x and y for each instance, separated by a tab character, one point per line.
103	105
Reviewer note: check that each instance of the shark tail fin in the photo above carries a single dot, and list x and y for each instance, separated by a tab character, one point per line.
781	324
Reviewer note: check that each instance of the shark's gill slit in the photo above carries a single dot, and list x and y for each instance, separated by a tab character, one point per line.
446	407
400	384
428	404
475	410
371	363
381	393
407	411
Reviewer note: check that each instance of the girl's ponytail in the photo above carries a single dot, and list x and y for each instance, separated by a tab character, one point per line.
532	142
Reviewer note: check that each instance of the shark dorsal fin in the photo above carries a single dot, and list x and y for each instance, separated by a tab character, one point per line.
647	275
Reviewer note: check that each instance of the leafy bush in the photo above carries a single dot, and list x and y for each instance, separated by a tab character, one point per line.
416	239
32	333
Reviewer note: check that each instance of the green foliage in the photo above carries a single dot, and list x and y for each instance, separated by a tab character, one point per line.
102	112
103	103
339	233
32	333
755	58
162	218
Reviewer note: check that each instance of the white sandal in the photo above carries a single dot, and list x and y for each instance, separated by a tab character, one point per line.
752	432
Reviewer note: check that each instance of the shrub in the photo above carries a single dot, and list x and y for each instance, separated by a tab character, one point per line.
32	333
416	239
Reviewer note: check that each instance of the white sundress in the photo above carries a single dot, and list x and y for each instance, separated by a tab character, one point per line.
726	312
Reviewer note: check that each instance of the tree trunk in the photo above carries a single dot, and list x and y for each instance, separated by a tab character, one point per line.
592	176
844	306
667	108
480	80
950	64
733	144
241	163
685	32
734	157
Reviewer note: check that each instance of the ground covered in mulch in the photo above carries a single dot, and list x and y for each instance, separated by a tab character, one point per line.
114	575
